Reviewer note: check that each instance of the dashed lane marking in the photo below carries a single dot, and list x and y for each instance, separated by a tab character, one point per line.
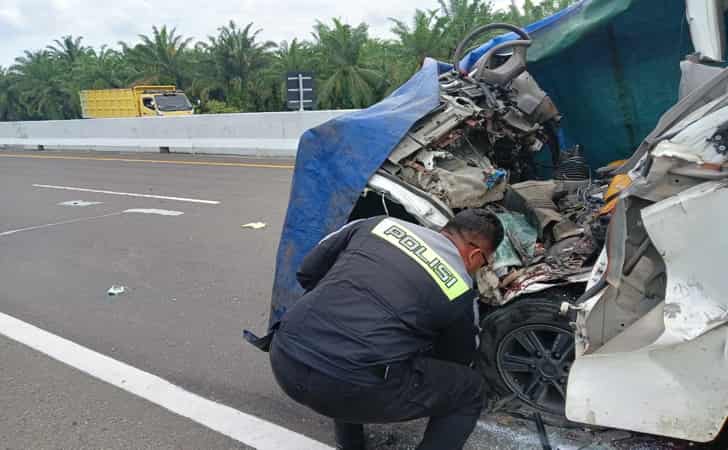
128	194
48	225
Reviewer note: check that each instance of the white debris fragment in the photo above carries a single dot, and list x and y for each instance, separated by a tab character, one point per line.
254	225
161	212
78	203
116	290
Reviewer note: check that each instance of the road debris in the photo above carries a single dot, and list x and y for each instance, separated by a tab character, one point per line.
115	290
254	225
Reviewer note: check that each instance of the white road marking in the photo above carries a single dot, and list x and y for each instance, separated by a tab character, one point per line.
78	203
38	227
235	424
161	212
128	194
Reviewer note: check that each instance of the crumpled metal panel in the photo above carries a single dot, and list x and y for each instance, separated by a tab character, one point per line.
670	383
462	188
688	231
676	391
419	206
707	27
455	110
693	142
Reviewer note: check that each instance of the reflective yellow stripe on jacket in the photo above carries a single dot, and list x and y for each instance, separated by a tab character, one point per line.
409	243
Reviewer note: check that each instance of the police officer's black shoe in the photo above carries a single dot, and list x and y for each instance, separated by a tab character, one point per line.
349	436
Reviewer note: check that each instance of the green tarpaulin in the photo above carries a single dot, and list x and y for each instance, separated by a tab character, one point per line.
611	67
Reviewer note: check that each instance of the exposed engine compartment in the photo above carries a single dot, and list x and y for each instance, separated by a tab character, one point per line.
478	149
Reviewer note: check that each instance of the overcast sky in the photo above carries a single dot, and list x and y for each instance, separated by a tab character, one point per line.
33	24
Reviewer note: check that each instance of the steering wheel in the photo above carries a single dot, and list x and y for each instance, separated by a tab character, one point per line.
514	66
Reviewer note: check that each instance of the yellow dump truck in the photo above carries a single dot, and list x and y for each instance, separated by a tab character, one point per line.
138	101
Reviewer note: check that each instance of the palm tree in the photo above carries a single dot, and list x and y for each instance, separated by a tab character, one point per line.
106	68
43	87
294	56
423	39
68	49
347	81
237	59
160	56
461	17
533	12
236	52
10	107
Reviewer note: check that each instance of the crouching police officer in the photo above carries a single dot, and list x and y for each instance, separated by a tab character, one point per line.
388	327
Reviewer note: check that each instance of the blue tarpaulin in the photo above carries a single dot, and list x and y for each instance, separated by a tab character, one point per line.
334	163
611	66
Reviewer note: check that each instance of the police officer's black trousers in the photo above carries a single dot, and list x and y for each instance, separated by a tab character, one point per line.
450	394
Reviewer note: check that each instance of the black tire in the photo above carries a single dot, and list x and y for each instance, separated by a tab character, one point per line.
526	351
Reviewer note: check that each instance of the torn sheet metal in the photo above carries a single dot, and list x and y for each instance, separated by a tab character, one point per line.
695	75
429	211
664	373
535	199
466	187
698	137
688	232
707	28
452	112
676	390
538	278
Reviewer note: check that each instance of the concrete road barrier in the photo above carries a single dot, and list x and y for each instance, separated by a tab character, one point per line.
250	134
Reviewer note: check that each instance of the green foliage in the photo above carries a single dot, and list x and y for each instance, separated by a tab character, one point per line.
161	57
218	107
347	81
235	71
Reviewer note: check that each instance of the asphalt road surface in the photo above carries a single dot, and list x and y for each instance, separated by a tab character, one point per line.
168	229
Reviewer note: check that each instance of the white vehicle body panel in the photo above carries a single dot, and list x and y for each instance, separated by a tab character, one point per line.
414	204
677	390
667	373
707	28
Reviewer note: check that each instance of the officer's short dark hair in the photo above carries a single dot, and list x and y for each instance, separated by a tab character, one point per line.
479	222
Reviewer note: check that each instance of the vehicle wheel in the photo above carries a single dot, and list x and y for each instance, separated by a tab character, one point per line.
526	350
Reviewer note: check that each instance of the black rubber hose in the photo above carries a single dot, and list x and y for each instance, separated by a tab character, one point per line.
592	290
480	30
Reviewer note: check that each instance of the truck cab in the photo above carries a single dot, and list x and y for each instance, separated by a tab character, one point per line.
162	101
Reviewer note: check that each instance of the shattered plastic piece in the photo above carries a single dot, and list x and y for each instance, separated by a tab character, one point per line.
254	225
116	290
495	177
517	227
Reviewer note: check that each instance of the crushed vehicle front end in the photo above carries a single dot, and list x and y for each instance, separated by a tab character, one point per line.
652	328
477	137
481	147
